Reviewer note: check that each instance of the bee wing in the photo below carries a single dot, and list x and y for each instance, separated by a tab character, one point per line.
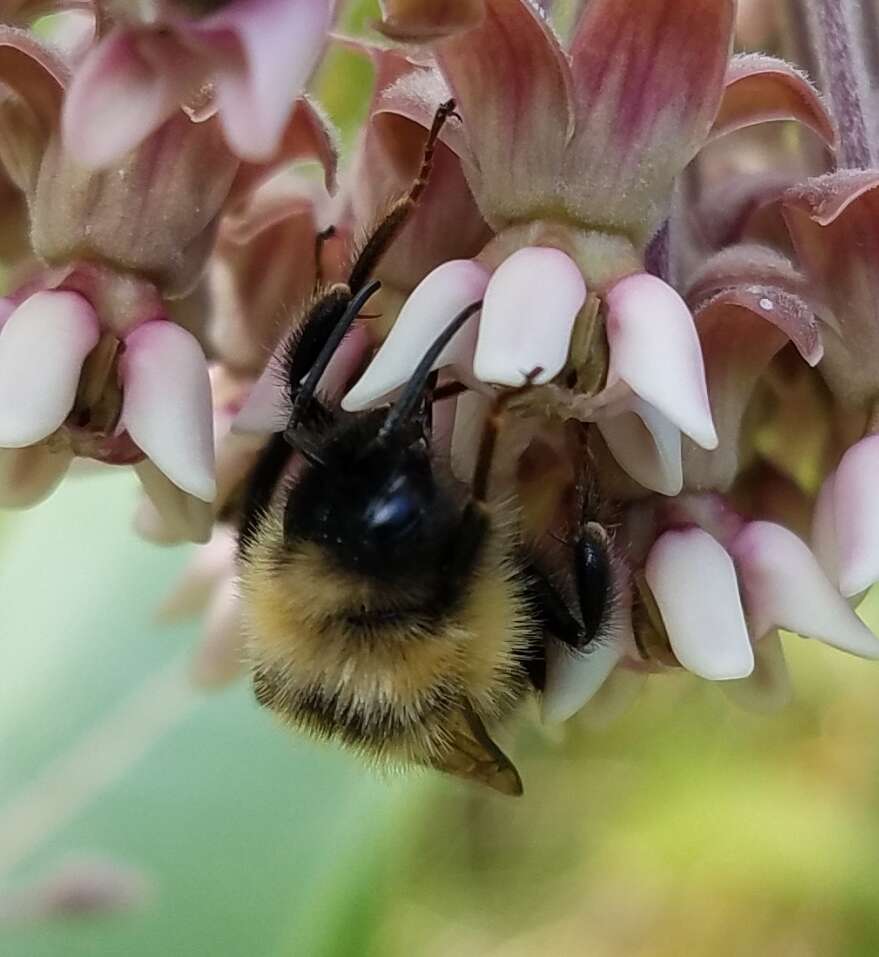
476	757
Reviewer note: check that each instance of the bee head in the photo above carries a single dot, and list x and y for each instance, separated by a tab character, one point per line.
377	507
368	493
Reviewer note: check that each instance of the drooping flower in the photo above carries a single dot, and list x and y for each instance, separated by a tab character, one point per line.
257	55
445	224
92	361
572	158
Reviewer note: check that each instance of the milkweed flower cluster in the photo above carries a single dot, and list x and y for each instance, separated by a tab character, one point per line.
697	293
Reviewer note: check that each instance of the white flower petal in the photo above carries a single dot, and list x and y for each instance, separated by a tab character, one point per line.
434	303
531	304
646	445
824	543
856	516
784	586
43	345
573	678
693	580
167	404
655	350
768	689
184	518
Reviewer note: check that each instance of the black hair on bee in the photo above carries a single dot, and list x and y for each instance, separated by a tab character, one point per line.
388	606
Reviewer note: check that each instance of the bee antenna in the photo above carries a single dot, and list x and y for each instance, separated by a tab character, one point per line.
401	411
309	386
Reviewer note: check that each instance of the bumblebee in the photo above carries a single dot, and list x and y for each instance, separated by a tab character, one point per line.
390	607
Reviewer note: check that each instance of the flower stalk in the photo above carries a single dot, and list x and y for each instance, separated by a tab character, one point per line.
844	75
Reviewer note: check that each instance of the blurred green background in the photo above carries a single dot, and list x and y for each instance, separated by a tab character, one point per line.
684	827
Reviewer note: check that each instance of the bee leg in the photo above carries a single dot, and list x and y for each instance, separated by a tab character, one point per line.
390	226
262	484
594	576
551	610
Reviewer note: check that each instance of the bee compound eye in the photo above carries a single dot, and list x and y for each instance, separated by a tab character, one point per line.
396	512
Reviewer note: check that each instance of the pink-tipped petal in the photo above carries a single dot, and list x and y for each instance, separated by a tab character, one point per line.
167	404
767	689
648	77
824	541
693	580
654	348
267	407
27	476
43	345
279	45
646	445
219	657
184	518
574	678
437	299
856	516
126	87
784	587
531	303
762	88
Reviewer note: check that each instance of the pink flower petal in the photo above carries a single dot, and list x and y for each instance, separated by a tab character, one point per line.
184	518
767	689
35	73
43	345
572	678
655	350
648	78
833	221
279	45
267	407
531	303
856	516
784	586
741	330
211	564
167	404
646	445
28	476
219	657
762	88
694	582
125	88
512	85
437	299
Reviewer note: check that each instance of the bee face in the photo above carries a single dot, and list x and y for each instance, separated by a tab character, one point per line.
378	510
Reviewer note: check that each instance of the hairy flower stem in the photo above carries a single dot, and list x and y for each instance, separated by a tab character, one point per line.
835	39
